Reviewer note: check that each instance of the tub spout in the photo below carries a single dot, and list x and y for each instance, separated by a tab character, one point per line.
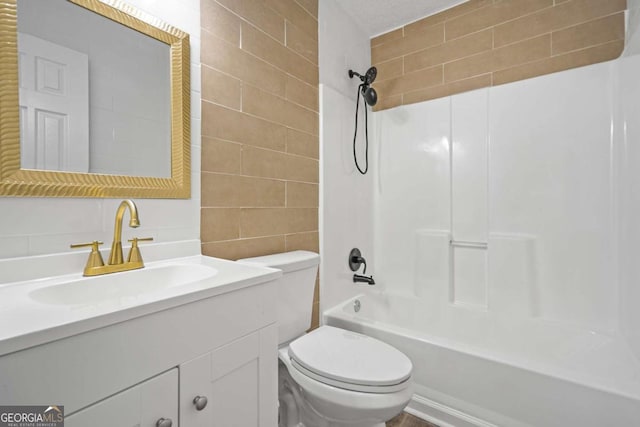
357	278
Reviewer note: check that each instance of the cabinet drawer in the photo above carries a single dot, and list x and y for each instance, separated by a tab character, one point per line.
139	406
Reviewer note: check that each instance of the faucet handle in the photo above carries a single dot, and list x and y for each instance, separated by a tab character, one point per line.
95	244
134	252
95	257
141	239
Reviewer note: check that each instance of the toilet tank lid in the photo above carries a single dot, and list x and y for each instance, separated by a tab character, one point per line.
286	261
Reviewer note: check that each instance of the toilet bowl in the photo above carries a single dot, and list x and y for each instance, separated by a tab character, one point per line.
330	377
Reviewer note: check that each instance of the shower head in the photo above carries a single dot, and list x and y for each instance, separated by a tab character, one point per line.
370	95
368	77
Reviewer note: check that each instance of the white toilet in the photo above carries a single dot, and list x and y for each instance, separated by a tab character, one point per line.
330	376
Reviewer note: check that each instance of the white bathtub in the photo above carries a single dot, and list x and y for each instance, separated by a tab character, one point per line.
475	369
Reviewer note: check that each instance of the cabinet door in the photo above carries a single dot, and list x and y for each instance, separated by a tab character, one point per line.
139	406
239	382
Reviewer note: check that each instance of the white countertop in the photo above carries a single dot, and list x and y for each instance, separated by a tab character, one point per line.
26	321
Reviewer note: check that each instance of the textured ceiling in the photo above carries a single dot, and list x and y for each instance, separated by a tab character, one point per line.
379	16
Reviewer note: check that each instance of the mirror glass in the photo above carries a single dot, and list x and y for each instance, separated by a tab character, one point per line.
94	95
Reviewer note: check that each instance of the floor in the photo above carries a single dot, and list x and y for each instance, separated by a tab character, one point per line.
407	420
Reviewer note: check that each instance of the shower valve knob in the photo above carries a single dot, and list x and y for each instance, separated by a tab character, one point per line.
356	260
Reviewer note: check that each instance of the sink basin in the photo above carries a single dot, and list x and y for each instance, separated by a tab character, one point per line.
122	286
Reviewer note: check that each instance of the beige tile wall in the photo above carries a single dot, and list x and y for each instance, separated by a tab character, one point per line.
259	128
490	42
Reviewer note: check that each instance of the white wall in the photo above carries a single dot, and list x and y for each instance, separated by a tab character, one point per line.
346	198
33	226
628	93
525	168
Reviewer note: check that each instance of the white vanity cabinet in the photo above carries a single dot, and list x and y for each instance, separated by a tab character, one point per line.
153	366
151	403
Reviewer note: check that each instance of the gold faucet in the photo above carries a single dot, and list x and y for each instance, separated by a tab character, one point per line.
115	257
95	265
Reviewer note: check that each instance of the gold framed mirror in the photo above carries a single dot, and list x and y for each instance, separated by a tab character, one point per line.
18	181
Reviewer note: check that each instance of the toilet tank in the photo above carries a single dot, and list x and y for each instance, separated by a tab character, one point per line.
295	289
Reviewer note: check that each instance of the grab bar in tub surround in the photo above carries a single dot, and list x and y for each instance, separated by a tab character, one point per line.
464	244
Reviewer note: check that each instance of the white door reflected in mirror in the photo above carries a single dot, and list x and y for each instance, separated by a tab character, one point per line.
54	106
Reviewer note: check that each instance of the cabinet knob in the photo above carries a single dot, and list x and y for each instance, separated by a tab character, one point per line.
164	422
200	402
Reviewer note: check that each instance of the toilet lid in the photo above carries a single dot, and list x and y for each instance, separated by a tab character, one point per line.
349	357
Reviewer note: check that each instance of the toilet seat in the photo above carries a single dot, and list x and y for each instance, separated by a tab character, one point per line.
350	361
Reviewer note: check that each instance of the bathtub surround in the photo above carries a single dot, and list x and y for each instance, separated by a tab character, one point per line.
535	207
39	226
484	43
260	128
